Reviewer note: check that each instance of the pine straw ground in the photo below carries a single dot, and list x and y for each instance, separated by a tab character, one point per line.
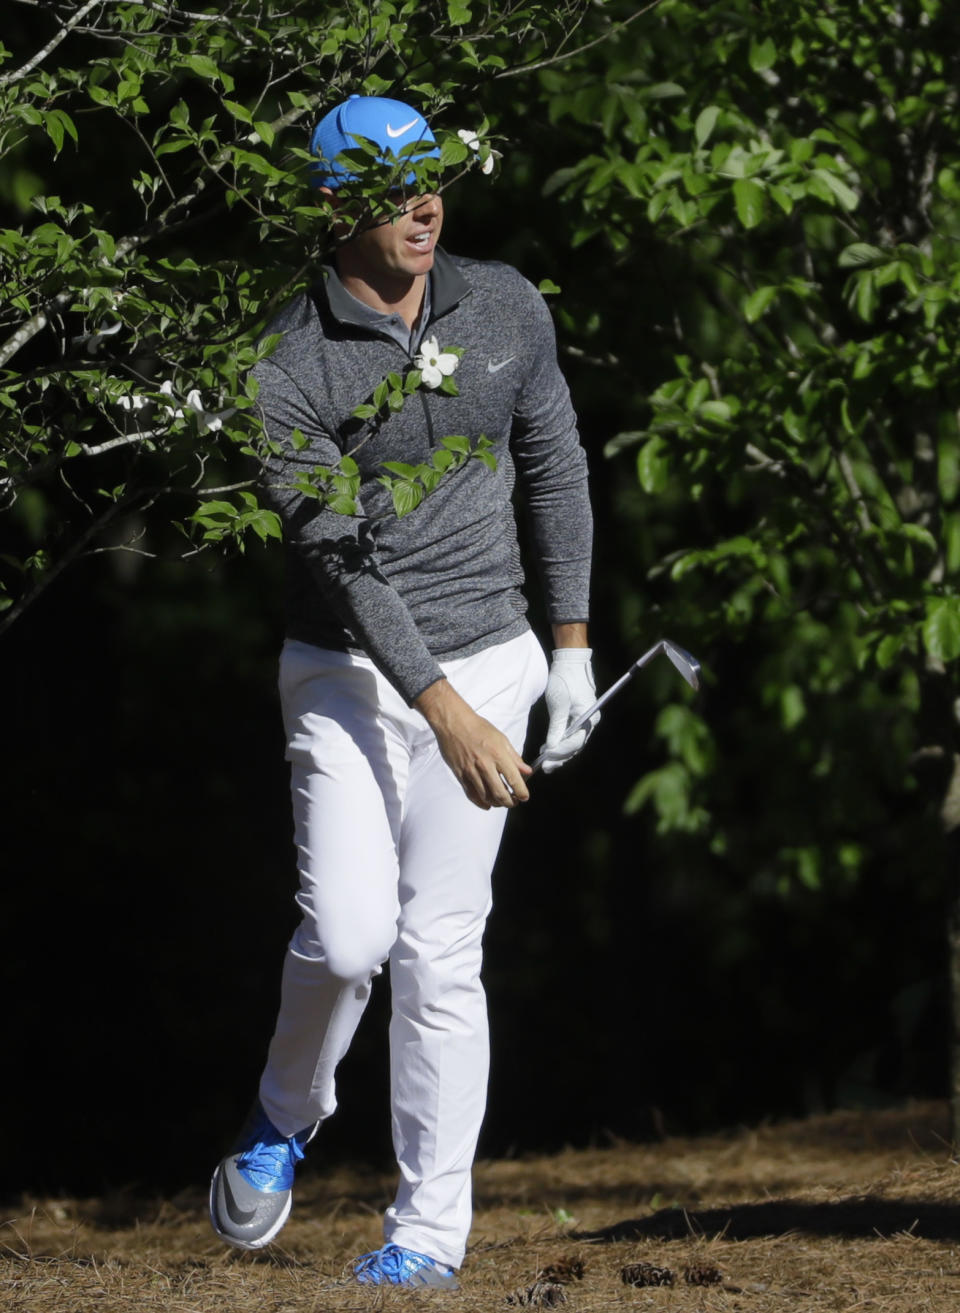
853	1211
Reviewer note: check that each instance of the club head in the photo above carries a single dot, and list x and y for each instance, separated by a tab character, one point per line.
687	665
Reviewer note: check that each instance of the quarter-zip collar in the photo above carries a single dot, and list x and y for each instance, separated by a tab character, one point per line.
448	288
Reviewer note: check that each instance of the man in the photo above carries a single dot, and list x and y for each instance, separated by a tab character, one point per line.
406	681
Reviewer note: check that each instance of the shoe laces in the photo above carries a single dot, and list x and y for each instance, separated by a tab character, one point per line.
268	1163
391	1265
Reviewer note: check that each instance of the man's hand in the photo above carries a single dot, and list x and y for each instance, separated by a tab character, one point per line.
570	691
483	759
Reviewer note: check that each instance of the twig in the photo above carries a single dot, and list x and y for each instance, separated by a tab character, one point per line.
853	488
124	440
51	45
563	56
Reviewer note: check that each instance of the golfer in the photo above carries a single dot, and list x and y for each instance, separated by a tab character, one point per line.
406	680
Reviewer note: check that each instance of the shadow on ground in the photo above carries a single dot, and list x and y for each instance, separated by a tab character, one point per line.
848	1218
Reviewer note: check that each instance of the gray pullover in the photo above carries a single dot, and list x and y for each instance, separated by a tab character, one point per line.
445	580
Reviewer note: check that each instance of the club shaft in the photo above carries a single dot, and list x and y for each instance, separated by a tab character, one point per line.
605	697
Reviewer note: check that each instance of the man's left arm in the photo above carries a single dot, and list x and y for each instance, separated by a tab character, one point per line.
552	468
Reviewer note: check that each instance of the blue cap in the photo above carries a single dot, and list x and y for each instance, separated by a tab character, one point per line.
390	123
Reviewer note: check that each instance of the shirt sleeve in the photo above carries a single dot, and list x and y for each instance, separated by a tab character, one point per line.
552	469
339	550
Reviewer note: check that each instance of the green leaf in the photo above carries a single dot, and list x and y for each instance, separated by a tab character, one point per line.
705	124
888	650
54	129
238	111
406	497
860	253
783	198
847	197
718	411
57	122
203	65
458	13
763	55
759	302
865	295
918	534
793	707
663	91
548	287
941	629
653	466
100	95
750	201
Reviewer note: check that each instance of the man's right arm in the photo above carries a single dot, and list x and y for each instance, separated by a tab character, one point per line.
337	549
489	768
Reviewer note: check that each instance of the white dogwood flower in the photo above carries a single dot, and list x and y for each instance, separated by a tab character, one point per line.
166	387
208	419
434	364
472	141
92	342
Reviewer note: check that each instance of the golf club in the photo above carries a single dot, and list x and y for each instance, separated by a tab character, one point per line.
687	665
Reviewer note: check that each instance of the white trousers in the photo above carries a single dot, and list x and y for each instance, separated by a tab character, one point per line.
395	864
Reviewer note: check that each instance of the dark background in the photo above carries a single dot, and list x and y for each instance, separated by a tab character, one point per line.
639	983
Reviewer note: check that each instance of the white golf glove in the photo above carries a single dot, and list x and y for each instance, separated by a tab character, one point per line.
570	691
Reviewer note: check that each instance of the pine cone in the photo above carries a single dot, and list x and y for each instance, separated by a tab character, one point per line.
542	1294
563	1272
702	1274
646	1274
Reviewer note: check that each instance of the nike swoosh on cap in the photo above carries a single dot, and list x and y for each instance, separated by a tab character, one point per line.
398	132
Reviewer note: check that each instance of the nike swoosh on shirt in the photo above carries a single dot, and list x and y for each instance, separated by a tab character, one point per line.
398	132
495	369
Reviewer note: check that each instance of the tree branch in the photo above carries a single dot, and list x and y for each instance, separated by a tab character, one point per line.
51	45
519	69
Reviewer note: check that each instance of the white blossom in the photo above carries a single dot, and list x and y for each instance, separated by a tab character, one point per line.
472	141
434	364
92	342
208	419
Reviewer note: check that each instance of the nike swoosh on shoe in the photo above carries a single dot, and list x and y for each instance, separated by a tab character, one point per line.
239	1216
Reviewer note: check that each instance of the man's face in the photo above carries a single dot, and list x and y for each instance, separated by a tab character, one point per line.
398	244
